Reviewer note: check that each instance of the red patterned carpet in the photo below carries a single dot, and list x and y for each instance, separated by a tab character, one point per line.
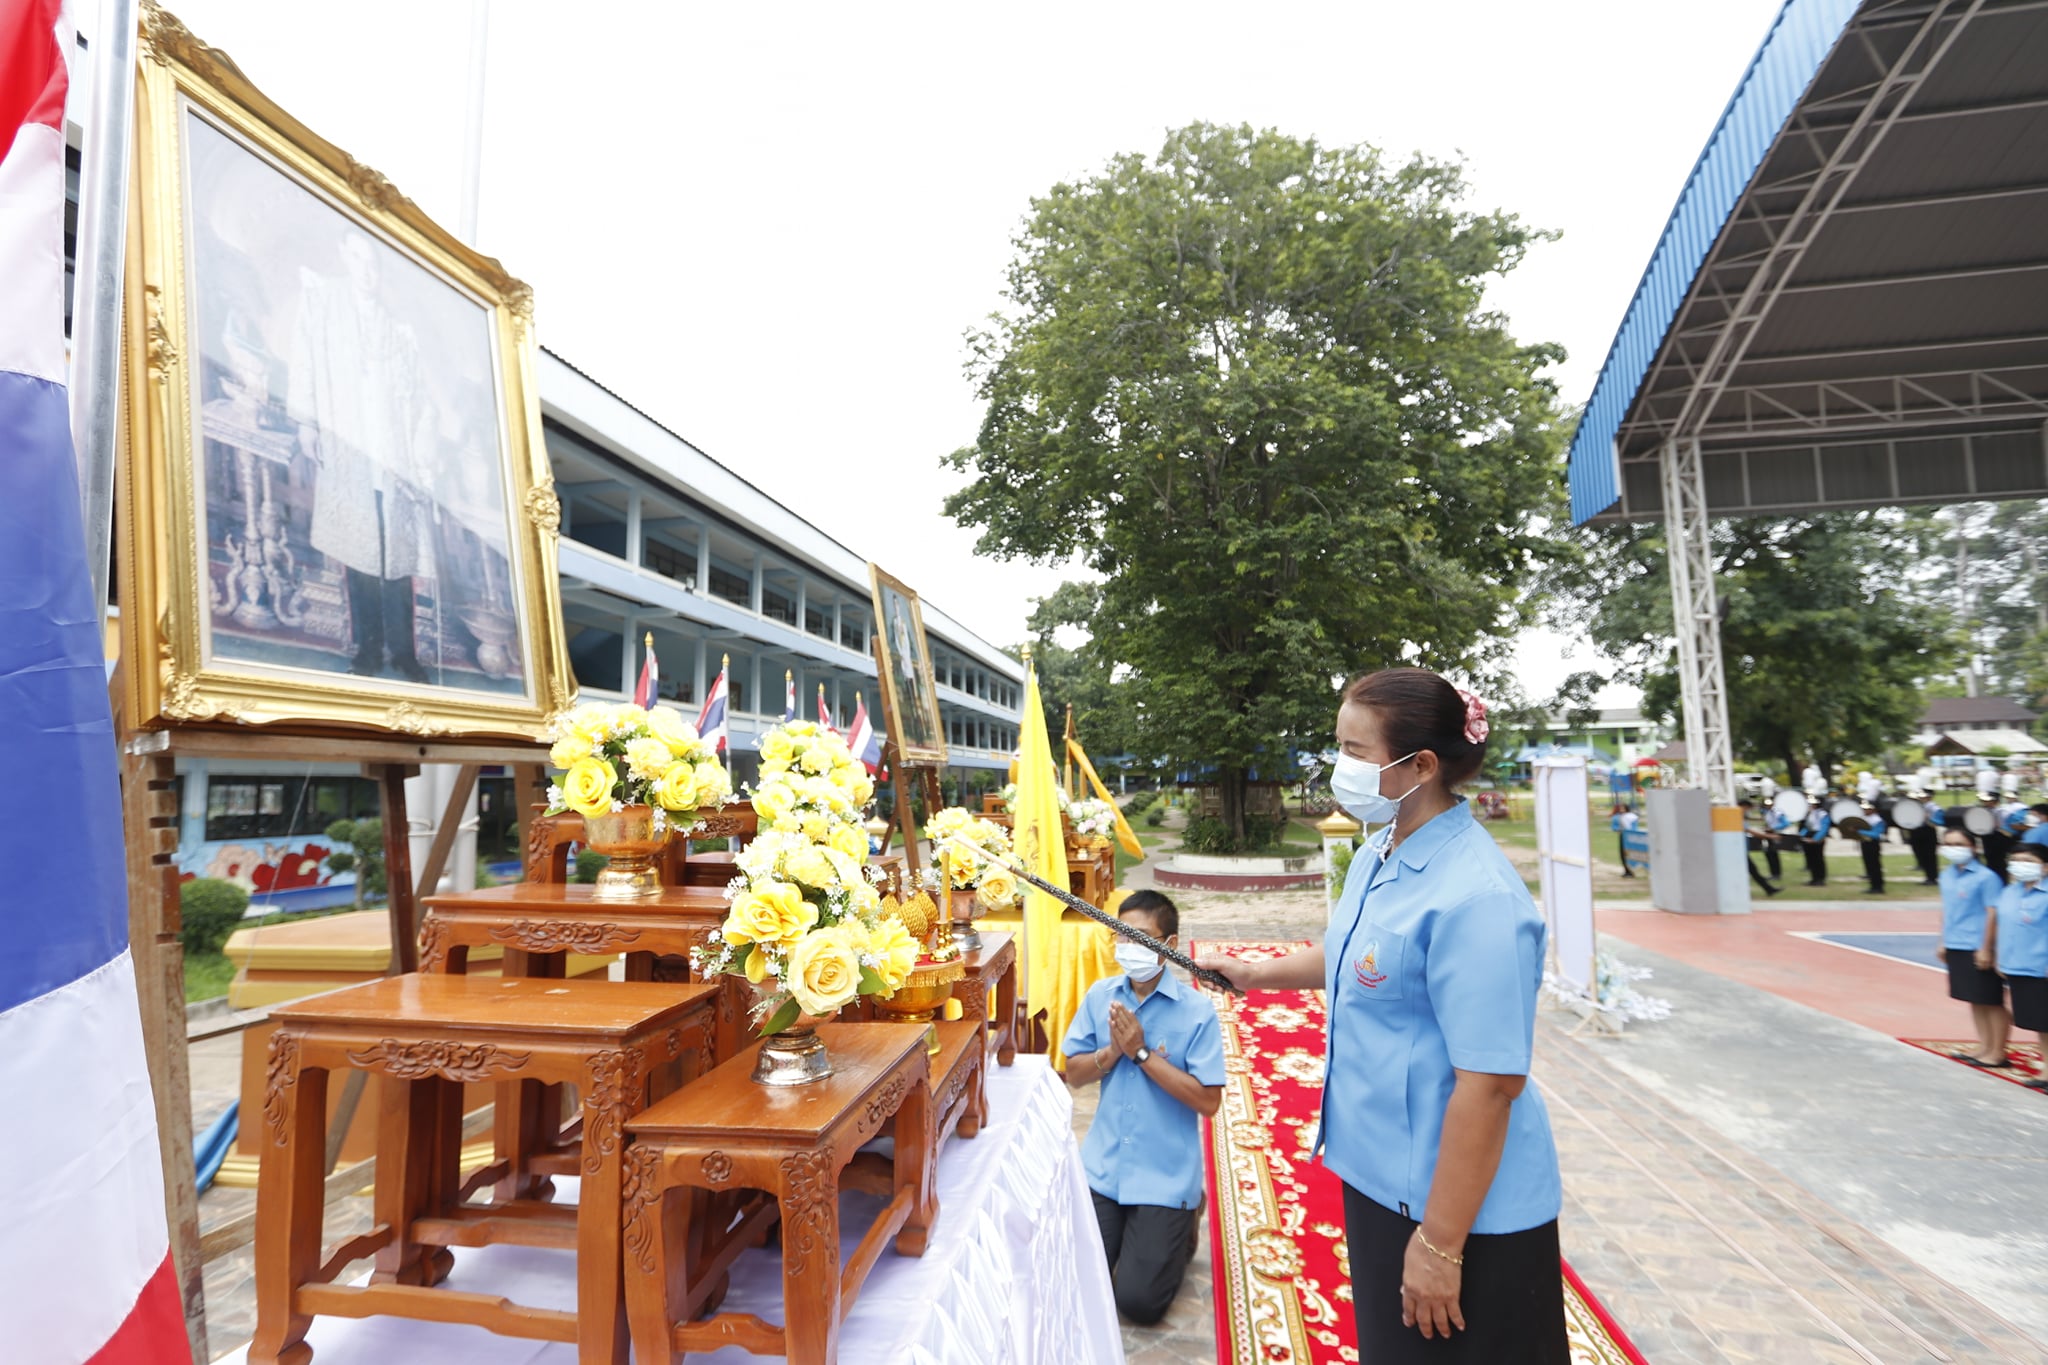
1276	1217
2025	1057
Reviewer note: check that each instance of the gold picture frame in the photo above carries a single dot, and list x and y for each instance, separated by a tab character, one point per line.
337	510
904	661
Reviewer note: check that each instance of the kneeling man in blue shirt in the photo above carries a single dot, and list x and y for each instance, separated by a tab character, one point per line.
1154	1043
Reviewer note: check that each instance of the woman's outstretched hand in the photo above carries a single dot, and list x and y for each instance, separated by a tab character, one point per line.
1241	974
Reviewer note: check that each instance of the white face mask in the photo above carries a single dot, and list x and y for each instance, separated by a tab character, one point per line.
1956	855
1140	963
2026	870
1356	785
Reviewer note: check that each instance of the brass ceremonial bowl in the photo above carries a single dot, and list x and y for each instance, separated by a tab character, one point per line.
920	999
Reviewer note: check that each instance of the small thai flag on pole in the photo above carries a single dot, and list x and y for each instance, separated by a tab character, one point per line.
788	696
825	712
711	722
862	739
650	672
85	1250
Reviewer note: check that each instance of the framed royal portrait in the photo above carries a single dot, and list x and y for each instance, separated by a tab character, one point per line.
910	692
337	510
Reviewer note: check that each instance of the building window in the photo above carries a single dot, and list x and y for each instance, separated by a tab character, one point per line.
670	562
853	635
284	807
817	623
732	587
777	607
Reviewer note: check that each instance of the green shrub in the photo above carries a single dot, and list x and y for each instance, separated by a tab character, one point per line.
211	908
1156	816
366	838
589	863
1207	834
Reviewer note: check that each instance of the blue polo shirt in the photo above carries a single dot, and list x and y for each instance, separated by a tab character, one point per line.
1967	891
1434	959
1145	1146
2023	930
2037	835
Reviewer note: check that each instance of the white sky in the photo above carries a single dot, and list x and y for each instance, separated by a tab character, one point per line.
769	226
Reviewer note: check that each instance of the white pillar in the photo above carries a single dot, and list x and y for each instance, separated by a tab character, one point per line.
702	680
803	619
759	574
629	673
633	538
703	590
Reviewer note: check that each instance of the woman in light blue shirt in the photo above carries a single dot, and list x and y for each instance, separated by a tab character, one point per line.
1431	967
1969	918
2023	943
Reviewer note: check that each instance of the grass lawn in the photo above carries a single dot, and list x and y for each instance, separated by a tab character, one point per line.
1150	839
207	976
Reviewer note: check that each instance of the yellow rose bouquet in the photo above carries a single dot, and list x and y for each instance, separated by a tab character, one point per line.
961	870
615	756
805	924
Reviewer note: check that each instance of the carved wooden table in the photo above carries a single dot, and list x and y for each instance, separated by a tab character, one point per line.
428	1035
993	966
959	1073
538	924
726	1133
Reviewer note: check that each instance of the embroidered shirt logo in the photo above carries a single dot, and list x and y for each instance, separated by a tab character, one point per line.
1368	966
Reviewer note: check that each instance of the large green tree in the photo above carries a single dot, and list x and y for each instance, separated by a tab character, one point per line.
1991	564
1825	649
1251	382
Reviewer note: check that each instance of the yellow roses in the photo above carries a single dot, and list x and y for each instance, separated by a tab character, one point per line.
998	890
774	916
773	801
677	787
810	866
850	840
824	969
647	757
569	750
587	786
895	953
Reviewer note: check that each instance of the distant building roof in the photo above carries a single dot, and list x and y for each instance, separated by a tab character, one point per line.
1674	752
1978	741
1945	711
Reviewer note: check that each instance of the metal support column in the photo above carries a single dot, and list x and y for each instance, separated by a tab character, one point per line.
1703	684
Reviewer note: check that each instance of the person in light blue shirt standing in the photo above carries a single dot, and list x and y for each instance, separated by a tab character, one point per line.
2023	943
1431	968
1969	914
2036	825
1155	1045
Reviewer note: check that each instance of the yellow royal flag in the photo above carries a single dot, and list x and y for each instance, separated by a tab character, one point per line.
1041	844
1125	835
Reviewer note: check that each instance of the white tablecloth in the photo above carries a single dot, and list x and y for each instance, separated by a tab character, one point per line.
1014	1273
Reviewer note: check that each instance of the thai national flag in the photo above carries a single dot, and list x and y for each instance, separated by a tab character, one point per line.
862	739
788	696
825	712
650	672
84	1247
711	722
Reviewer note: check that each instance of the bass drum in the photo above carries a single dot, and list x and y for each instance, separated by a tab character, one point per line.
1847	814
1791	804
1909	814
1980	820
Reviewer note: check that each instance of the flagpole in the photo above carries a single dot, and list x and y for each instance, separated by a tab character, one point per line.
94	386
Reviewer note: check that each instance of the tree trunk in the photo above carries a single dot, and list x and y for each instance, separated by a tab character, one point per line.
1232	787
1791	766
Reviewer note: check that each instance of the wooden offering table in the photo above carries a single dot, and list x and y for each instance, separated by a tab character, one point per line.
539	925
428	1035
992	967
959	1075
725	1133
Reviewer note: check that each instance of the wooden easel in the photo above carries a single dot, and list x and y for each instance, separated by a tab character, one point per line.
150	818
924	776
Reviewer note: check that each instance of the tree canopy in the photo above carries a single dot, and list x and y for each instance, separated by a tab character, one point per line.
1824	645
1251	383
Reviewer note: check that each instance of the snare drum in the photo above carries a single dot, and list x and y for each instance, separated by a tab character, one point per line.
1908	814
1980	820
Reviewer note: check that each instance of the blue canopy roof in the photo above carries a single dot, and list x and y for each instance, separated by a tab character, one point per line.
1800	39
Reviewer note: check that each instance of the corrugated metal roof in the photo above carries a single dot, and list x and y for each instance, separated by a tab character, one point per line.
1800	39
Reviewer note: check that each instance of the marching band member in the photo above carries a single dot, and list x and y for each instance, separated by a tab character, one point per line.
1969	924
1813	841
2022	928
1999	841
1870	840
1925	841
1431	967
1754	841
1777	833
1868	787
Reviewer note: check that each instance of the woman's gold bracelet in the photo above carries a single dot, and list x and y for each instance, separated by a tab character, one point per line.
1434	1251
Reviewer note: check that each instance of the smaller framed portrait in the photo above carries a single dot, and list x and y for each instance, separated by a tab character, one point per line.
337	510
910	692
